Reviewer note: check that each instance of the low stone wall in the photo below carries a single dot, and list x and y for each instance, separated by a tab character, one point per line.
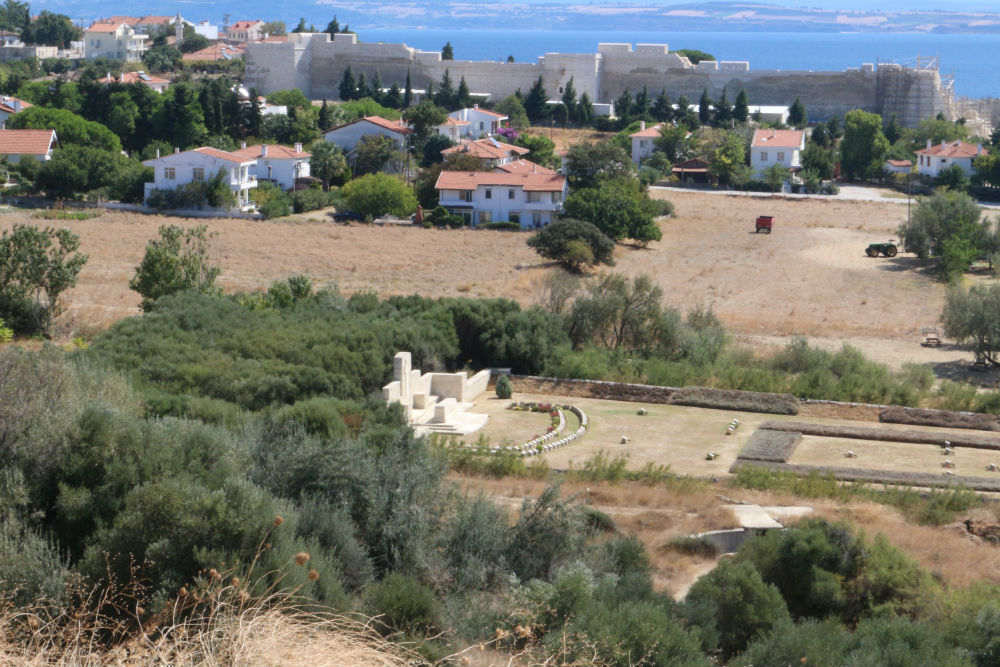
612	391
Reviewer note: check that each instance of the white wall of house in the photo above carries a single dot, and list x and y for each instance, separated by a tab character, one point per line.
122	44
762	158
480	122
349	136
282	170
172	171
642	147
498	203
932	165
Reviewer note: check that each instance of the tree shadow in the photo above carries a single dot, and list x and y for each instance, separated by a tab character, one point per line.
958	371
898	264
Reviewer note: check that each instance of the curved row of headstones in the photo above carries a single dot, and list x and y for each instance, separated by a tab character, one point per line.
532	448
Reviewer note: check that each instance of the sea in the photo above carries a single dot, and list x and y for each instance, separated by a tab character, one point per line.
962	58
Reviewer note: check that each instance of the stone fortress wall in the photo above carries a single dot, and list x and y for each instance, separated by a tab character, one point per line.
315	63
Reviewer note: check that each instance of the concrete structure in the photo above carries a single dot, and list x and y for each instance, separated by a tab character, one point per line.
479	121
771	147
935	158
114	40
23	51
217	52
531	199
642	141
315	63
773	114
436	402
278	164
754	521
36	144
491	153
349	135
10	106
199	164
452	128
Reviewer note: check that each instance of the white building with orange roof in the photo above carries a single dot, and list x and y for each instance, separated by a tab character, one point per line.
523	166
280	165
771	147
16	145
935	158
530	199
217	52
452	128
200	164
159	84
480	121
642	141
489	151
114	40
349	135
9	106
246	31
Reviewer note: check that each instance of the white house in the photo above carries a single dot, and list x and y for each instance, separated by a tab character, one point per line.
491	153
18	144
349	135
768	114
452	128
246	31
114	40
200	164
897	166
531	199
10	106
278	164
935	158
158	84
481	121
771	147
642	141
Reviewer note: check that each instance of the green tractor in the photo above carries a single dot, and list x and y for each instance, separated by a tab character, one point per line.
887	249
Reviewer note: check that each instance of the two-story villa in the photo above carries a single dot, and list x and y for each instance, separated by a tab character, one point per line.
771	147
642	141
280	165
114	40
480	121
490	152
531	199
200	164
935	158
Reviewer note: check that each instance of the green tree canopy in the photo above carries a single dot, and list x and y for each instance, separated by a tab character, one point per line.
620	208
562	239
512	107
178	261
864	146
941	219
70	128
51	29
379	194
590	163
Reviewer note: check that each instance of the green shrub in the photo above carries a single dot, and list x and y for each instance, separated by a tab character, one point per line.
701	547
402	604
502	226
309	199
6	333
503	388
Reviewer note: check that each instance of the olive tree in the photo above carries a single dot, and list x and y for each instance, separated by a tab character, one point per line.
176	262
575	243
947	225
973	316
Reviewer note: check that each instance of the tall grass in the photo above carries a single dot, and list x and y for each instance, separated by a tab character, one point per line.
935	507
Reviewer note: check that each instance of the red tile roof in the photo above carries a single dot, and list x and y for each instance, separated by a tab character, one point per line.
394	126
470	180
649	132
155	20
486	149
13	105
245	25
779	138
454	121
205	150
104	26
135	77
488	112
216	52
26	142
523	166
900	163
954	149
273	150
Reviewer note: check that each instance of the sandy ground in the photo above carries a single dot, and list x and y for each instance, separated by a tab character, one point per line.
809	277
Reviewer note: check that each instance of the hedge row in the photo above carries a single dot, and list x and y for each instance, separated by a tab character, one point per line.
867	475
979	421
886	434
728	399
770	445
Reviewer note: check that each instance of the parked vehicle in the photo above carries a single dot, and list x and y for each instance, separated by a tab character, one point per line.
764	223
347	216
888	249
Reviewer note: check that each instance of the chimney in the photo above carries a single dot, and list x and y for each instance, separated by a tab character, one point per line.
943	143
773	134
475	106
928	143
157	153
244	144
979	149
177	150
263	150
642	125
298	147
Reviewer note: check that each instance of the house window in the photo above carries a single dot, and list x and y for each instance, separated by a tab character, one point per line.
556	197
536	219
763	156
534	197
467	195
489	193
198	173
510	193
642	143
485	217
514	216
781	156
169	173
480	125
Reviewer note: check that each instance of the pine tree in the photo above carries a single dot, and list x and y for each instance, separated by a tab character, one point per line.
463	98
503	388
662	111
585	110
641	108
325	119
408	90
742	109
333	27
705	108
376	87
447	53
394	98
534	103
569	101
797	114
445	96
723	111
623	106
347	85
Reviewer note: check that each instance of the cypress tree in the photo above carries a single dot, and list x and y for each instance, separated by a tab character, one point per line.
408	90
325	119
662	111
797	114
569	101
704	108
463	98
347	85
534	104
742	109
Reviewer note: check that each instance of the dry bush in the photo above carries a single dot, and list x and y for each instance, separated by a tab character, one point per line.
743	401
769	445
886	434
942	418
868	475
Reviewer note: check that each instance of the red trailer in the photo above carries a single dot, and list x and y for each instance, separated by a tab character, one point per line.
764	223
